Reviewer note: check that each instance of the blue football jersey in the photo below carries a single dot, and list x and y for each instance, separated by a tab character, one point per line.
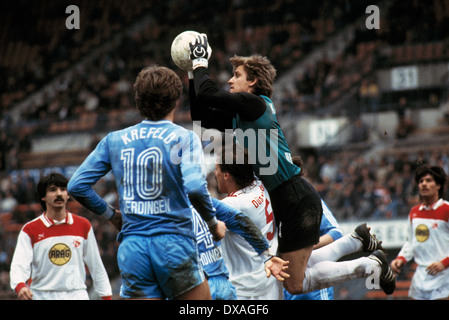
329	224
156	165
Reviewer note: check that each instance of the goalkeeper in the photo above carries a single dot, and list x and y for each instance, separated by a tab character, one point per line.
247	108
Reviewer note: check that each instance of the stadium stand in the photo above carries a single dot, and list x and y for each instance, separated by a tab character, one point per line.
62	90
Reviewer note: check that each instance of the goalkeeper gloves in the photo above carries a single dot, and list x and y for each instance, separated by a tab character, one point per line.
198	52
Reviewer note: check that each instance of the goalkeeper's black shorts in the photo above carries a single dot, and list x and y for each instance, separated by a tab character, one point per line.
297	211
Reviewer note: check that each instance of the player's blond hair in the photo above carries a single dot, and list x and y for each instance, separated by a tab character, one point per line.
156	91
257	68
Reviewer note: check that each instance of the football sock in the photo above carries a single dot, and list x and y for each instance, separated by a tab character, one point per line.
335	250
326	274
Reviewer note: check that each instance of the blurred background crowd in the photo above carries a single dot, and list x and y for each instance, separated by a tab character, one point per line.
78	83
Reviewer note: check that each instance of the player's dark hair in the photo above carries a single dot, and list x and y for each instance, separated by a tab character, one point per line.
257	68
297	161
234	160
156	92
52	179
436	172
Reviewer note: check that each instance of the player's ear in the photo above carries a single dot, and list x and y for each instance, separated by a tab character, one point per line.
252	83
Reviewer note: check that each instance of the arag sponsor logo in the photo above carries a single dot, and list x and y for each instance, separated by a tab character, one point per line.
422	233
60	254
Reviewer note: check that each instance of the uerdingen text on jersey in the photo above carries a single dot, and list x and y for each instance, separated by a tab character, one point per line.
147	207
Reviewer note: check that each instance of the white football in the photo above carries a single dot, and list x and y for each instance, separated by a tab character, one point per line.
180	49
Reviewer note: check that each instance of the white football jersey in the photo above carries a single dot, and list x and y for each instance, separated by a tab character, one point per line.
428	242
53	256
246	267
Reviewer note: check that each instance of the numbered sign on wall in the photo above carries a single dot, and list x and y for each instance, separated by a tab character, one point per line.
403	78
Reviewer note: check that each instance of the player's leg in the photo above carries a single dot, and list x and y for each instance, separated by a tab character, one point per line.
299	230
323	271
296	268
135	270
322	294
360	239
326	274
160	267
178	268
221	288
200	292
298	210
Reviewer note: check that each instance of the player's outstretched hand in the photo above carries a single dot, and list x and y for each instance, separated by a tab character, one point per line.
198	51
276	267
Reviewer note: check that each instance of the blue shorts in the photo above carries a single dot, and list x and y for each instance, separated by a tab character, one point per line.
323	294
163	266
221	288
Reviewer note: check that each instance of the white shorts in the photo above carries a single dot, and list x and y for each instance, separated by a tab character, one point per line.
428	287
276	293
60	295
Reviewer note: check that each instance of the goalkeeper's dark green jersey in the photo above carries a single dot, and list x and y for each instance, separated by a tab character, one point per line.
273	160
253	119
